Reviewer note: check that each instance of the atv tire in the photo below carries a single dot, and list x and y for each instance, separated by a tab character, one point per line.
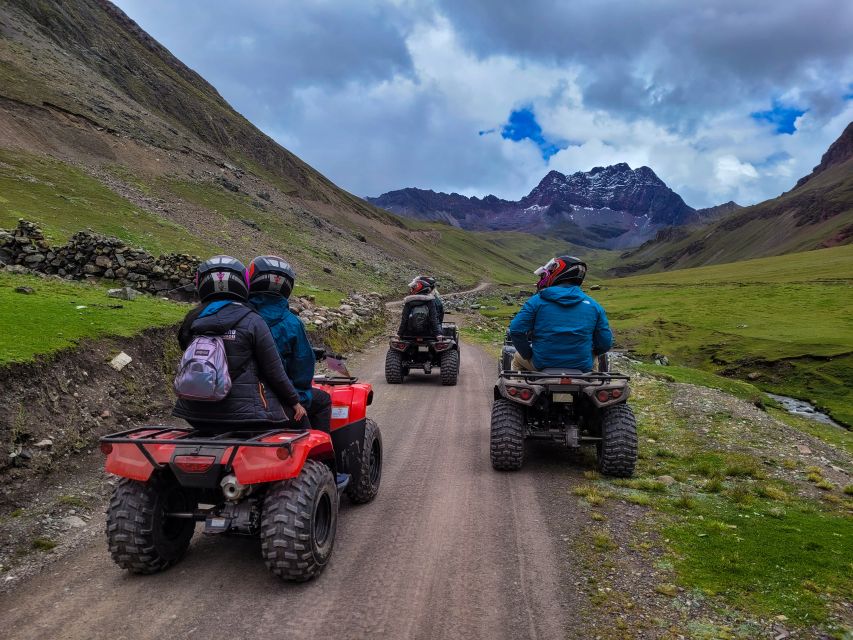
140	537
370	473
393	367
449	368
617	450
506	445
298	523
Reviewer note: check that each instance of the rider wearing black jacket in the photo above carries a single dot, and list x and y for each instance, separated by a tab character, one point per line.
420	293
261	393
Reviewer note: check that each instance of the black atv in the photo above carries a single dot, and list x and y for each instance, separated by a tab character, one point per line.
417	352
568	407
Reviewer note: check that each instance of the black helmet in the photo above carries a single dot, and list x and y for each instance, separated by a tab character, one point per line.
222	277
271	274
565	269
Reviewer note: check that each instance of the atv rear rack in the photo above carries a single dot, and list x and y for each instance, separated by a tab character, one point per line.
592	376
335	380
225	439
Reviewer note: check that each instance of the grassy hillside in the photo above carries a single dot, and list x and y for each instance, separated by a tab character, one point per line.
815	214
784	323
57	315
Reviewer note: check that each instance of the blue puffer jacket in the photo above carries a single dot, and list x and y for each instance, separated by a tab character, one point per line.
291	339
565	327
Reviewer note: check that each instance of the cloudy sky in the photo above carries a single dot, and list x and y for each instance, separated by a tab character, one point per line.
724	99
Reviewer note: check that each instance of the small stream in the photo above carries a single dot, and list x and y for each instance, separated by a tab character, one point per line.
804	409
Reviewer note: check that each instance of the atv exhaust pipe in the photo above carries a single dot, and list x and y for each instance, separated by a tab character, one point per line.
232	489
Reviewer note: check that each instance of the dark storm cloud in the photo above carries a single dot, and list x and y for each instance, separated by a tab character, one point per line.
258	52
671	60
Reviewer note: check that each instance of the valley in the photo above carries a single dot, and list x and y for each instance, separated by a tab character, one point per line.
736	524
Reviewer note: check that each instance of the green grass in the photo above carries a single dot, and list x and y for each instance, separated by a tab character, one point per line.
43	544
785	320
63	200
763	562
49	320
734	530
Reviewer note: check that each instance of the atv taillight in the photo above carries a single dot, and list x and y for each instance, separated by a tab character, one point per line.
282	453
616	393
525	394
565	381
603	396
106	448
513	391
194	464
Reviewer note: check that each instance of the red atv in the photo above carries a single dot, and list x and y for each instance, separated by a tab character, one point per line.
281	485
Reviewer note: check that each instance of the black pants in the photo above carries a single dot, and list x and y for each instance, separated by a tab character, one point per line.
320	412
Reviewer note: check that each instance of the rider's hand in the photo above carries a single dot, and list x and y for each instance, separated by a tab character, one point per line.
299	412
439	337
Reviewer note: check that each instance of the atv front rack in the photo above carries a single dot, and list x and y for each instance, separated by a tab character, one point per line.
190	438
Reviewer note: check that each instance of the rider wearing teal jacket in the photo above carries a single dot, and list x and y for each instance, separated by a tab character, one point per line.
561	326
271	282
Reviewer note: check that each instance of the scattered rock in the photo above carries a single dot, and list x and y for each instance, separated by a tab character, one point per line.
73	522
595	287
124	293
42	444
753	375
327	270
120	361
666	480
803	449
25	290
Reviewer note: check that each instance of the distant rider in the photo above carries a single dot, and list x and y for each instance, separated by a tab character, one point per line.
560	326
420	312
271	282
439	305
253	362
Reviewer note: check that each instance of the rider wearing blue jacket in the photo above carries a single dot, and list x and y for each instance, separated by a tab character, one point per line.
271	282
561	326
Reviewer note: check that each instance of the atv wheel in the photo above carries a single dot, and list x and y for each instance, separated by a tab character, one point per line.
141	538
506	445
370	472
299	522
449	368
394	367
617	450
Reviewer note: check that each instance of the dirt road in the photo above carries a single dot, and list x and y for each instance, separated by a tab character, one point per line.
449	549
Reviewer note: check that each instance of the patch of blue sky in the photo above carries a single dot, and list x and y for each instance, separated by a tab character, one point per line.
522	125
783	117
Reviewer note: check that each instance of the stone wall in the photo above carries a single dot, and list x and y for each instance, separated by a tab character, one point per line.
91	255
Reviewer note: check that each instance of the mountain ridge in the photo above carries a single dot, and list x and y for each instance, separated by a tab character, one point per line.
604	207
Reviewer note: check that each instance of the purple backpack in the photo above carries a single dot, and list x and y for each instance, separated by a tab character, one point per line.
203	374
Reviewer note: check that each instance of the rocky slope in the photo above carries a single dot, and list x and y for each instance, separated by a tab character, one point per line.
101	127
606	207
817	213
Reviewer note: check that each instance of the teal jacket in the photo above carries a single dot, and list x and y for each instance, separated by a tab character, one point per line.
561	327
291	339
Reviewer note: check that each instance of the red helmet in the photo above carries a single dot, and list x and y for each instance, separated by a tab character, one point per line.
420	285
566	269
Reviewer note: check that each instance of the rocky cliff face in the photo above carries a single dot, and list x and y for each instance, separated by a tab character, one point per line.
613	206
838	153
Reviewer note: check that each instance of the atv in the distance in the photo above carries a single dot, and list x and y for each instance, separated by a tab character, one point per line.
567	407
417	352
281	485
